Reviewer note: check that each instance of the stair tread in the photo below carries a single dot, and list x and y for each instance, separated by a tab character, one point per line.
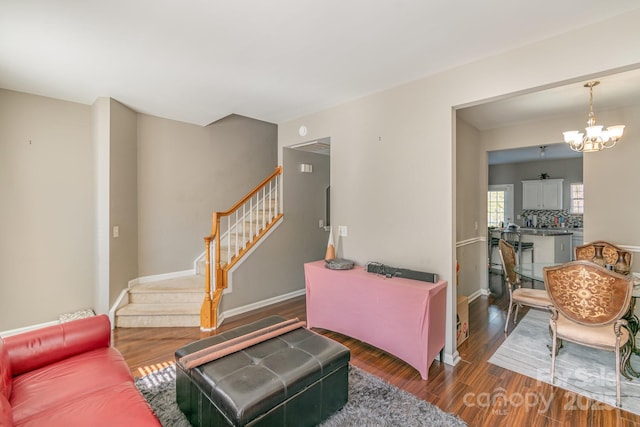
165	309
193	283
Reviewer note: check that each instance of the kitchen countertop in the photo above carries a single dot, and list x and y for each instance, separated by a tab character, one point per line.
542	231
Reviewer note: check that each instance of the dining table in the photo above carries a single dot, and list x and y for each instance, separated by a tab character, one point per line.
533	270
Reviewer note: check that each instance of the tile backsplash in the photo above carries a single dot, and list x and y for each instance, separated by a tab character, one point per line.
546	218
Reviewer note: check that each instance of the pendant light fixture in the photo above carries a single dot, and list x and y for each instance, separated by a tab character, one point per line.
594	138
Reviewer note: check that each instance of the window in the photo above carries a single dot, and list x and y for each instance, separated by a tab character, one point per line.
495	208
499	205
577	198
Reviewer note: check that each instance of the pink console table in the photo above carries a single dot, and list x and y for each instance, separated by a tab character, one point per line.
400	316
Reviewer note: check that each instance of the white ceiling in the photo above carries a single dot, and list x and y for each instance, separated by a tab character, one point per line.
200	60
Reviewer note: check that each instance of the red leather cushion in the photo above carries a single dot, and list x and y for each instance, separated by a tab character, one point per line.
6	419
41	347
71	379
5	371
119	405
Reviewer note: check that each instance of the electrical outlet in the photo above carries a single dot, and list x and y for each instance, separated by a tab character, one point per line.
342	230
320	223
116	231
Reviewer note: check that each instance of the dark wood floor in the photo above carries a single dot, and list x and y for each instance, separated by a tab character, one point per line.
480	393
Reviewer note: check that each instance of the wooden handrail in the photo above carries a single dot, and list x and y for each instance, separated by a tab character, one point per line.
208	312
253	192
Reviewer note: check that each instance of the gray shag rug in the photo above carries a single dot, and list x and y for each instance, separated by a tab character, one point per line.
372	402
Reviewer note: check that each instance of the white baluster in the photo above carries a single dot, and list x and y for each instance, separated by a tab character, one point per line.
228	239
277	195
264	200
244	219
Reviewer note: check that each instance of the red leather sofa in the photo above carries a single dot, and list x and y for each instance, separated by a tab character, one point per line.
68	375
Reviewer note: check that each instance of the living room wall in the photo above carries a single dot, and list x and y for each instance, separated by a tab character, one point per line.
185	173
393	152
47	214
70	172
123	198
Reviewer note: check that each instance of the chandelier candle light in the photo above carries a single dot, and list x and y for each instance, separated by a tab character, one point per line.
594	138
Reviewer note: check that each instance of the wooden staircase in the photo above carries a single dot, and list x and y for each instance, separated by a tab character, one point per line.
193	300
163	303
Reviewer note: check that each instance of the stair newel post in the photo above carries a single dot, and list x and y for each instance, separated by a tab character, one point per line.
206	319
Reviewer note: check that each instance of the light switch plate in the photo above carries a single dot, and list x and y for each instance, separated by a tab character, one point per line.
342	230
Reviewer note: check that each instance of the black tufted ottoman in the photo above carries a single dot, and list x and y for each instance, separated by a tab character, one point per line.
296	379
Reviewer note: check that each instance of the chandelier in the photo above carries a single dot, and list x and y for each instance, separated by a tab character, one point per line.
594	138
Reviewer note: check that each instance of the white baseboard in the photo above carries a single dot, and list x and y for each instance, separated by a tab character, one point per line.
478	293
452	359
27	328
263	303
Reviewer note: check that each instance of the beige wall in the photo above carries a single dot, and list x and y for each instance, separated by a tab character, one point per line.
123	194
611	184
186	172
70	172
392	168
46	209
471	210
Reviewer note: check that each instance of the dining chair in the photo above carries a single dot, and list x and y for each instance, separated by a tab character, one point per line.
518	296
493	239
610	252
514	238
588	305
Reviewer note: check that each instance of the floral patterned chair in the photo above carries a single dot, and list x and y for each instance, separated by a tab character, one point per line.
610	252
588	303
518	296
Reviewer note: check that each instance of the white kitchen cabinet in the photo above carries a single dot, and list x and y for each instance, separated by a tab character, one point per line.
542	194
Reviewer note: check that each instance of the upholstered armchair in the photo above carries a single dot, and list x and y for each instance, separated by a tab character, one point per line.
518	296
588	303
609	252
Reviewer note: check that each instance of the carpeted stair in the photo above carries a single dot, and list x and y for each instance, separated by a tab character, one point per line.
165	303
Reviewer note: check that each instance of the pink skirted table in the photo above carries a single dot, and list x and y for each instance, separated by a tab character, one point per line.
400	316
